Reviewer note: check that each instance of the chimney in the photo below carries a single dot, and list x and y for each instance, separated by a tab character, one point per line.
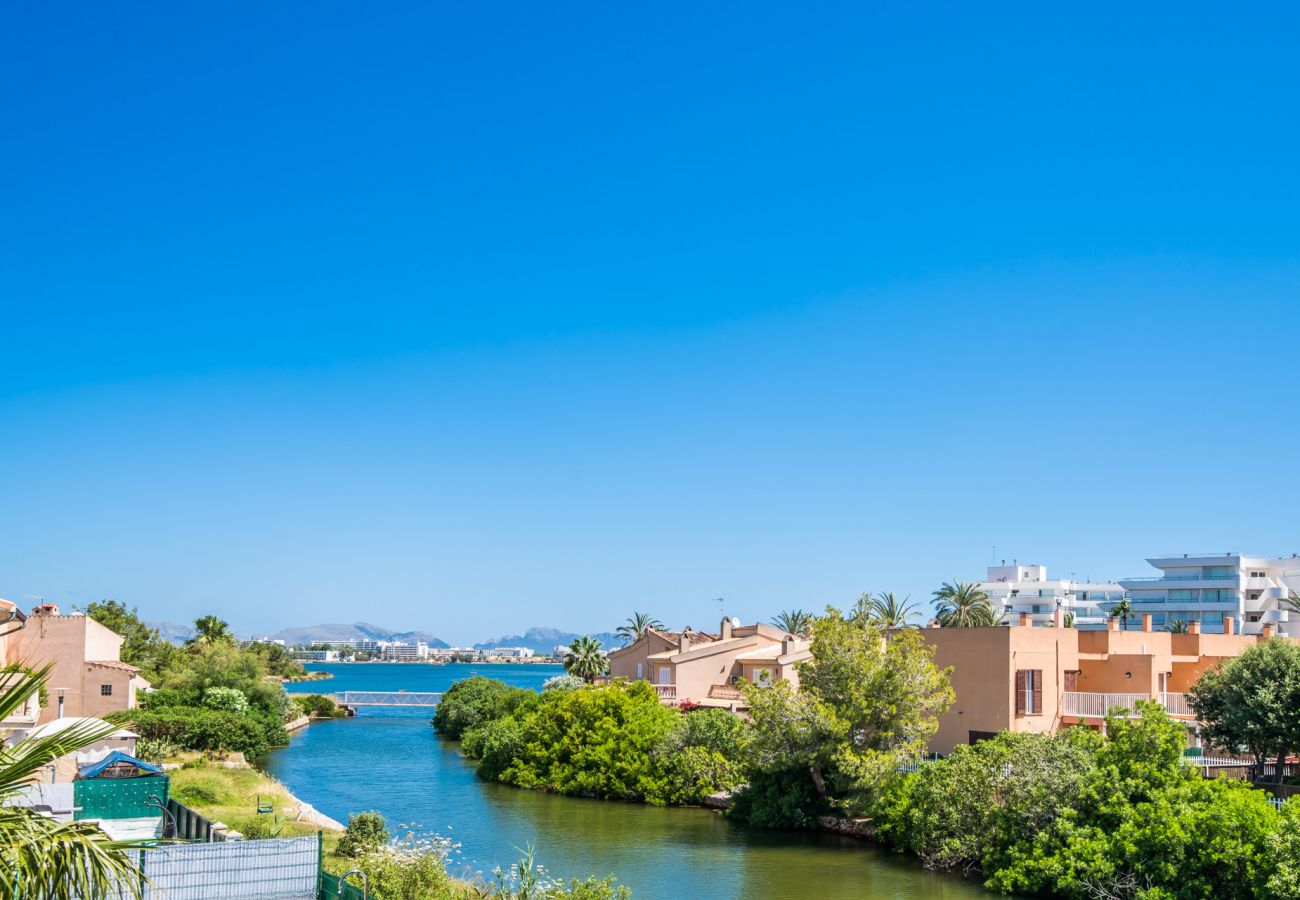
1194	626
46	609
725	630
1267	631
1058	618
1112	624
1229	626
1025	621
787	644
60	715
1146	621
684	640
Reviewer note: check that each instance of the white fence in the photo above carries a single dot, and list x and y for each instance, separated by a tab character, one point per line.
273	869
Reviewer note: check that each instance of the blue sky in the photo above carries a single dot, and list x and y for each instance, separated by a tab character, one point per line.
473	319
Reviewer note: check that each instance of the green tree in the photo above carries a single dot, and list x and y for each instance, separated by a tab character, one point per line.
142	645
366	831
794	621
210	630
1176	626
1252	703
1122	610
41	859
637	626
863	705
962	604
886	609
585	659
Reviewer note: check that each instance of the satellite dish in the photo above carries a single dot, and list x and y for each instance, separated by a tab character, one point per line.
735	623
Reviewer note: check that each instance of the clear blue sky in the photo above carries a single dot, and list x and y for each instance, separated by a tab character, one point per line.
474	318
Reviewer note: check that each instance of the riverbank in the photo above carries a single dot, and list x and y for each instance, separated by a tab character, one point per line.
231	791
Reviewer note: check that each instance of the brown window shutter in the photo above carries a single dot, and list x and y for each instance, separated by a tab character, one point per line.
1020	692
1071	681
1038	692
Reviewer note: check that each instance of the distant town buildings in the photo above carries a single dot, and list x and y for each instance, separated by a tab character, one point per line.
1017	589
1207	587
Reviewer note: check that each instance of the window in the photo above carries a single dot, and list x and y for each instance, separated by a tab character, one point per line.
1029	692
977	736
1258	574
105	690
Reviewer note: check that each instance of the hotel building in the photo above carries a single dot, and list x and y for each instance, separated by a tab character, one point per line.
1211	587
1017	589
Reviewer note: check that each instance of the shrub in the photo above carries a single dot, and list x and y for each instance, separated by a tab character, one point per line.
227	699
474	701
365	833
262	827
785	799
318	706
207	729
496	745
564	682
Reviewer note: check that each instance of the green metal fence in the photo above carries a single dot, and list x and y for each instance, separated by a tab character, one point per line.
119	798
331	890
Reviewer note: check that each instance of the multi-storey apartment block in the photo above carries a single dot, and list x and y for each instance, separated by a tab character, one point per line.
1207	587
1017	589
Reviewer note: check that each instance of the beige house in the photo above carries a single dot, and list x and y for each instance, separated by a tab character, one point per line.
88	678
704	668
1038	679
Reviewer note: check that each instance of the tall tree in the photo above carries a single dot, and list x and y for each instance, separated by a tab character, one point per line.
863	703
794	621
41	859
142	645
585	659
210	630
1252	703
887	610
963	604
637	626
1122	610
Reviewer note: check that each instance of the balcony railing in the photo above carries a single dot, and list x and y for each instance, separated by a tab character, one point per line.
725	692
1081	703
666	691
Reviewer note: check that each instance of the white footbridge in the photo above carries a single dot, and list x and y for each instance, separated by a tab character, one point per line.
354	699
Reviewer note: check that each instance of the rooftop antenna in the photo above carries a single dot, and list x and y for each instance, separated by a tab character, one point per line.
721	611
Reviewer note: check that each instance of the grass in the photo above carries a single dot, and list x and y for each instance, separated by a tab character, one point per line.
231	796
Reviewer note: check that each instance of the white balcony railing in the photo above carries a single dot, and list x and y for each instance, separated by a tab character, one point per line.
1078	703
1176	704
666	691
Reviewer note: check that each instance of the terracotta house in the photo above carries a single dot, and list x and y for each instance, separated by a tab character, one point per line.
1038	679
88	678
704	668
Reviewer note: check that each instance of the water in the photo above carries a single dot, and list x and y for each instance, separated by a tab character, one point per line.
390	760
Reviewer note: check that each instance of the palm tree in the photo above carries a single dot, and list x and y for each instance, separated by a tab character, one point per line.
637	626
41	859
794	621
1122	610
1068	620
210	630
1176	626
1292	603
585	659
962	604
886	609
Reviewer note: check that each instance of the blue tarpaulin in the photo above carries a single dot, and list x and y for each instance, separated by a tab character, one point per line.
117	756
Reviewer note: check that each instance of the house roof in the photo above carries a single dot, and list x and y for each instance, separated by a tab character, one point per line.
58	726
113	664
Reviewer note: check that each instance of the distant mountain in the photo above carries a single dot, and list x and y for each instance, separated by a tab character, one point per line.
170	631
544	640
357	631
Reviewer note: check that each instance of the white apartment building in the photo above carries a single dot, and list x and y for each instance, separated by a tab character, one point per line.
1205	587
404	652
317	656
1015	589
511	653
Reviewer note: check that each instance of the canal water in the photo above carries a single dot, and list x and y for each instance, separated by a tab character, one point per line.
390	760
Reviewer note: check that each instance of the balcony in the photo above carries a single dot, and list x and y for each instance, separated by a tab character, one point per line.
1089	705
666	691
1079	703
725	692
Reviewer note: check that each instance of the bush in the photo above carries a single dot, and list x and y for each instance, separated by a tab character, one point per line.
366	832
698	756
207	729
786	799
496	745
318	706
564	682
224	698
261	827
475	701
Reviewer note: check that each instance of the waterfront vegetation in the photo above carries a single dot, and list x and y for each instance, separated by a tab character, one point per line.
1079	814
